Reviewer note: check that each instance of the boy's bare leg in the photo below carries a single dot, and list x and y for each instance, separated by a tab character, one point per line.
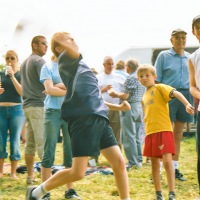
155	168
1	166
114	156
167	162
47	173
75	173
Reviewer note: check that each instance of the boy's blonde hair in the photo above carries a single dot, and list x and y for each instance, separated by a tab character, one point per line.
146	67
54	43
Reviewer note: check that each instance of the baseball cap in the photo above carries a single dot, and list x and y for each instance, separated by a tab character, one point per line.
178	30
197	18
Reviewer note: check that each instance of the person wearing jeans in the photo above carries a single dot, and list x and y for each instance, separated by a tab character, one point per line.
11	112
55	92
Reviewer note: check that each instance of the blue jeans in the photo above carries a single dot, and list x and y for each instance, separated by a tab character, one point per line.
52	126
12	120
131	121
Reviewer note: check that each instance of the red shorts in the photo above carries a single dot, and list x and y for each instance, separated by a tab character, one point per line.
157	144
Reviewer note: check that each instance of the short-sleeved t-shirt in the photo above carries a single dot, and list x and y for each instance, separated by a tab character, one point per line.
156	110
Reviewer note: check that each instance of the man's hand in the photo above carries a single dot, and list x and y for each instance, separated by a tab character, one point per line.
189	109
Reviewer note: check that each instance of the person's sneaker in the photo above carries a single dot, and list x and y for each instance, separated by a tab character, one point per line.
71	194
46	196
29	191
30	181
179	175
172	197
128	167
159	197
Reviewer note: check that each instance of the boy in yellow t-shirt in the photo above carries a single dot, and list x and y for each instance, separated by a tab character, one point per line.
159	141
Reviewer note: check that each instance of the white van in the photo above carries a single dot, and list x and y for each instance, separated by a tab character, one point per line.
146	55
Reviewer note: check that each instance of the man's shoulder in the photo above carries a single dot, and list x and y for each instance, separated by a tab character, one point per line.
33	58
166	52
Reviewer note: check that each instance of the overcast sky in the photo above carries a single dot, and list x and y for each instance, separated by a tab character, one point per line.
100	27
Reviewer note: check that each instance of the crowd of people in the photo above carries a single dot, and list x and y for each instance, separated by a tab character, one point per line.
98	113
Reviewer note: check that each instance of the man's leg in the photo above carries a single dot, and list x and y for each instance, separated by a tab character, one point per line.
178	133
117	162
29	164
114	119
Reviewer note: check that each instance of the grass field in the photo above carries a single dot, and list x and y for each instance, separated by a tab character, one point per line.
102	187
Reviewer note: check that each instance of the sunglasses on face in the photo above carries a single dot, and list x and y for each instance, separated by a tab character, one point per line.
43	43
10	58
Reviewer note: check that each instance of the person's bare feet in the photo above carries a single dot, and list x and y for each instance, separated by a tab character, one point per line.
14	176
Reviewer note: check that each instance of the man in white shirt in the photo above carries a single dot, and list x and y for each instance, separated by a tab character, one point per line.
109	80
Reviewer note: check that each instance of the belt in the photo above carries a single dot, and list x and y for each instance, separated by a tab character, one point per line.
182	89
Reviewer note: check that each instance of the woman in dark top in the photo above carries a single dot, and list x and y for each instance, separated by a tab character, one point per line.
11	113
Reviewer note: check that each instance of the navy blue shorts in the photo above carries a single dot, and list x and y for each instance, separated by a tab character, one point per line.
177	109
89	134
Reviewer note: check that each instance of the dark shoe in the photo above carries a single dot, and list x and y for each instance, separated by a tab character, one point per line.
159	197
129	166
179	175
172	197
71	194
46	196
29	191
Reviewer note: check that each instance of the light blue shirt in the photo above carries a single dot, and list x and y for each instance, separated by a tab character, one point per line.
172	69
50	72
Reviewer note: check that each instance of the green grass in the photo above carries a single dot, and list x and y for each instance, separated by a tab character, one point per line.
102	187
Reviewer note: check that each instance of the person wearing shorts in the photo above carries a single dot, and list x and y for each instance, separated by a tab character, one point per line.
87	117
172	69
159	141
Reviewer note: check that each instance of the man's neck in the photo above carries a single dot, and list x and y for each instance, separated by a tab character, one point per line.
180	51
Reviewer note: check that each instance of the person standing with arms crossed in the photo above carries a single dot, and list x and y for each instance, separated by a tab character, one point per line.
87	117
33	103
194	69
172	69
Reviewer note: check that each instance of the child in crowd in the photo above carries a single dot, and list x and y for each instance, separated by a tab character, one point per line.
87	117
159	141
